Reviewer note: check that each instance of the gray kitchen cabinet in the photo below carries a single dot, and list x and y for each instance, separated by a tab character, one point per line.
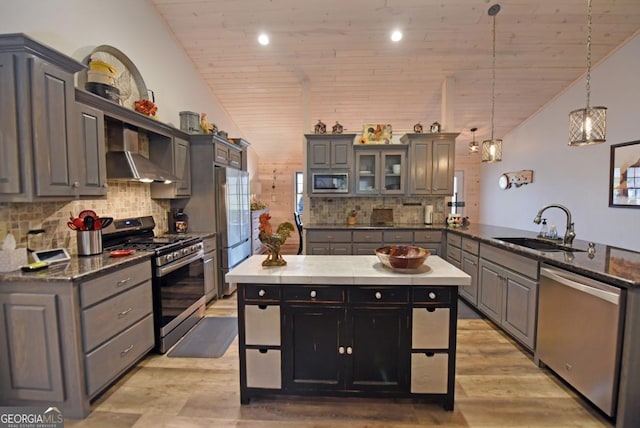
210	268
431	163
430	240
329	242
224	153
93	174
469	264
33	369
40	159
64	342
454	249
508	292
329	151
365	241
374	170
172	154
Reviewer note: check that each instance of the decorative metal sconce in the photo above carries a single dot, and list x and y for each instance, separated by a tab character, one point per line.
518	178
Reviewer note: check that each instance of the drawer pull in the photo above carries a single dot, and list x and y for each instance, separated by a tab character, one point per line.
125	312
261	293
122	282
432	295
125	351
349	350
378	295
313	294
341	350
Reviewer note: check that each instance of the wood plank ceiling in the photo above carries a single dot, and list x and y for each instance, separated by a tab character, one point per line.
333	60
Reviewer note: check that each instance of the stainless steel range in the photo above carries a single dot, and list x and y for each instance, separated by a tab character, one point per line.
178	277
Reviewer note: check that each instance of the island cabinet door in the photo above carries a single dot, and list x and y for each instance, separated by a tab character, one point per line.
314	348
378	353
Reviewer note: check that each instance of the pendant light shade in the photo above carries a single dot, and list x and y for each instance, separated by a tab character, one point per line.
473	145
588	125
492	149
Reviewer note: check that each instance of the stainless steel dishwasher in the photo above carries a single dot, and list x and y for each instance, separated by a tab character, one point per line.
580	323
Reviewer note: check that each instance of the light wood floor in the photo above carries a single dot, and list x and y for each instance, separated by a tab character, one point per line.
497	386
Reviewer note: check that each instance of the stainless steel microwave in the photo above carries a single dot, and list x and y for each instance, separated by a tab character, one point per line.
336	182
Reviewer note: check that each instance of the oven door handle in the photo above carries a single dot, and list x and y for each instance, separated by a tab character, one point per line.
163	270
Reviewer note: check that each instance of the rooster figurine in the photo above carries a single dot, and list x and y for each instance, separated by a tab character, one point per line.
207	128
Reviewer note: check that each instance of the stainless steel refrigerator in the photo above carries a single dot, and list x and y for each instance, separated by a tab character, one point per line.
233	222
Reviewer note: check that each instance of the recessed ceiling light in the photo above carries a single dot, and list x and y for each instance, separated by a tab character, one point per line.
263	39
396	36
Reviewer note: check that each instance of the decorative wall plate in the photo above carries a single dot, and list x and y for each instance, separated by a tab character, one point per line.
377	133
127	77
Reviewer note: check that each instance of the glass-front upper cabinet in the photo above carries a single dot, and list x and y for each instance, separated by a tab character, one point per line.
394	172
367	167
380	170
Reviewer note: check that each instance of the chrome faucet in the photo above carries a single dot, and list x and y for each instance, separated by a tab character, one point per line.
570	232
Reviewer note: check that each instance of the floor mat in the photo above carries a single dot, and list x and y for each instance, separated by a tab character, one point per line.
210	338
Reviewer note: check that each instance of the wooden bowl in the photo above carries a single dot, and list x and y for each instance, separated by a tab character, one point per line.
402	256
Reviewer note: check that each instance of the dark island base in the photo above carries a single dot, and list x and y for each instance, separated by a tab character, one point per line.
260	394
370	341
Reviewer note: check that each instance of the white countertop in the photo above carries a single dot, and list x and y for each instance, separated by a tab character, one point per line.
344	270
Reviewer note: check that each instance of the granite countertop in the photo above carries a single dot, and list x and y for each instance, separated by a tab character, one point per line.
79	268
364	226
82	268
617	266
614	265
345	270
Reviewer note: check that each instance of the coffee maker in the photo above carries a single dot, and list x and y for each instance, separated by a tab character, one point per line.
178	221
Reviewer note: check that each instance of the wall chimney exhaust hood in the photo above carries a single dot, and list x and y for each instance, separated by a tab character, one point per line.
124	161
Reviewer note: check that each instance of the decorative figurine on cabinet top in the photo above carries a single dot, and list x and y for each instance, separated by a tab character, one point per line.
337	128
207	128
417	128
320	128
435	127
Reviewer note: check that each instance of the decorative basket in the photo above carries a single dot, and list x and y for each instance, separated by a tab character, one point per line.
190	122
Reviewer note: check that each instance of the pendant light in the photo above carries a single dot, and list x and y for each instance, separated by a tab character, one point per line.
588	125
473	145
492	149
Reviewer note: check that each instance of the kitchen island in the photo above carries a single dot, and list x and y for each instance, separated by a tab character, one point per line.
347	326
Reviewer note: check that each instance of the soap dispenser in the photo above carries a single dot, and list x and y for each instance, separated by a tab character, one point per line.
544	231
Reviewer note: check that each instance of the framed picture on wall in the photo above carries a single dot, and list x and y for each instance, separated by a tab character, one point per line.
624	175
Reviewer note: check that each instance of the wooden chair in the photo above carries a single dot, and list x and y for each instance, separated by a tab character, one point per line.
296	216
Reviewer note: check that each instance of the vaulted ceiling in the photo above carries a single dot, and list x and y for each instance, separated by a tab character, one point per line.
333	60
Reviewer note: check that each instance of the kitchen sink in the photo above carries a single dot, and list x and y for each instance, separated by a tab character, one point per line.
538	244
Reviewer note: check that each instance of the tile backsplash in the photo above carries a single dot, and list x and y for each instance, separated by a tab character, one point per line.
406	210
124	199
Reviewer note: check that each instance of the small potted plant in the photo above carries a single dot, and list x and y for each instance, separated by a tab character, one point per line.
351	217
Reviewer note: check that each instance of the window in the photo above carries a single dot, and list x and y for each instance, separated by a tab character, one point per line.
457	202
299	194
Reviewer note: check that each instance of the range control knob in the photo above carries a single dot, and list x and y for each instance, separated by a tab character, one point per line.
176	255
168	257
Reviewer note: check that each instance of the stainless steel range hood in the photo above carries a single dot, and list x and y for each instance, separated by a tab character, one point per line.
124	161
